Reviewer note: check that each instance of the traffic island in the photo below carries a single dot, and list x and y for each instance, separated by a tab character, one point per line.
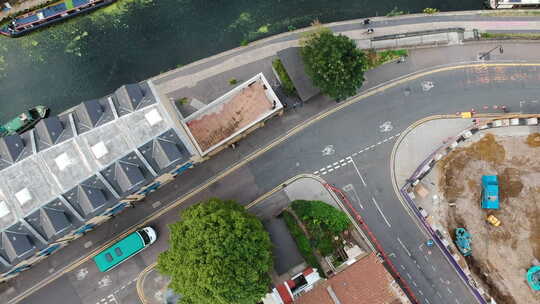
450	190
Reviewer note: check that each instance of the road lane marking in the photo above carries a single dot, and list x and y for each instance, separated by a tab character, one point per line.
405	248
409	276
359	174
449	291
402	267
380	211
414	283
433	267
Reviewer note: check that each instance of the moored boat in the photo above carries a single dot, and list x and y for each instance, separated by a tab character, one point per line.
50	14
24	121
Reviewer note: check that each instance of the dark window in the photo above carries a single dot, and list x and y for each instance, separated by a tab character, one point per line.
108	257
118	251
145	237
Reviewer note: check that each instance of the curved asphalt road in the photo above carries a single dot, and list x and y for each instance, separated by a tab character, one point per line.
358	126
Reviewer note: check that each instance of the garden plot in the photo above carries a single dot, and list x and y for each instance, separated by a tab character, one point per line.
501	255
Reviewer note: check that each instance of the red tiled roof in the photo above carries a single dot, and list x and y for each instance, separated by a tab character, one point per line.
307	271
364	282
284	294
227	118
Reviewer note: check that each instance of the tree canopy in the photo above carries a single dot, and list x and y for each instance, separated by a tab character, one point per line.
218	254
333	62
317	213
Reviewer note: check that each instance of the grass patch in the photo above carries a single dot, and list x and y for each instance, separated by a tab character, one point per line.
302	242
233	81
531	36
286	82
378	58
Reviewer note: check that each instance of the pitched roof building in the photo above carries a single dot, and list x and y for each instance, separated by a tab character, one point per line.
365	282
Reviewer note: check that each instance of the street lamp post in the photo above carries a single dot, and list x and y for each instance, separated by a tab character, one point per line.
486	54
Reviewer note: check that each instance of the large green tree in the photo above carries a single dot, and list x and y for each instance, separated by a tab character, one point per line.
218	254
333	62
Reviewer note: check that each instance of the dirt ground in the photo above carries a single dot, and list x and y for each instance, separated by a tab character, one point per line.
501	255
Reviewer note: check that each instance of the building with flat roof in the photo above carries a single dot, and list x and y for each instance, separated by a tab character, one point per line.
76	170
221	121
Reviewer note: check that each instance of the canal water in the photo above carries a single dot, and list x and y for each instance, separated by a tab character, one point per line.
90	56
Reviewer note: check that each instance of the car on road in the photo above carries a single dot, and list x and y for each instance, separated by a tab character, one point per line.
125	248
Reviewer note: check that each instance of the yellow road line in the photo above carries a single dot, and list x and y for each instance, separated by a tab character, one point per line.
253	156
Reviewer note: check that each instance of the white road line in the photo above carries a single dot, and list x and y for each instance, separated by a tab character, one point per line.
457	302
354	154
420	292
405	248
434	269
380	211
350	161
439	294
357	197
329	166
427	301
324	173
316	172
358	171
425	257
337	167
409	276
342	160
449	291
414	283
330	170
372	146
402	267
334	164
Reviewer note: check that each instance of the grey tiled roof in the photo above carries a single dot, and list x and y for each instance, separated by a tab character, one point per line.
90	197
51	131
165	151
13	148
294	65
126	174
54	220
131	97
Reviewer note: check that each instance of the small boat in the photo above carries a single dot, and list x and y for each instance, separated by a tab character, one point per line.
50	14
24	121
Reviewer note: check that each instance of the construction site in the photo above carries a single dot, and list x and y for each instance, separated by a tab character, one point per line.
488	203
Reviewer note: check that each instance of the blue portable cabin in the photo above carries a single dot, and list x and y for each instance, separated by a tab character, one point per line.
490	192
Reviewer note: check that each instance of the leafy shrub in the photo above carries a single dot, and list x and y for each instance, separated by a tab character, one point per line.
286	81
317	213
429	10
302	242
233	81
